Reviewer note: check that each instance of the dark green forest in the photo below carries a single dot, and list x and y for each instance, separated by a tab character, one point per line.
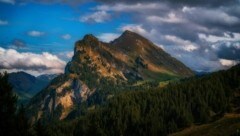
162	111
12	118
148	111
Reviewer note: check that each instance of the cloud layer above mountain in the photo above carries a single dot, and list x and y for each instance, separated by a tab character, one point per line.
37	64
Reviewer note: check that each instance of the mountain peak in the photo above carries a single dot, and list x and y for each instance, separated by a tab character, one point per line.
130	34
90	37
89	40
130	38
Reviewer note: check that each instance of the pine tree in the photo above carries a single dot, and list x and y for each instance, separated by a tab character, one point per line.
22	125
40	129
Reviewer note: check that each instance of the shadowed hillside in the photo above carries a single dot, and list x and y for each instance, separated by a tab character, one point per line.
26	86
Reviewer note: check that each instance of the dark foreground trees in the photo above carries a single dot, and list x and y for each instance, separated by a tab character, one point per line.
12	121
165	110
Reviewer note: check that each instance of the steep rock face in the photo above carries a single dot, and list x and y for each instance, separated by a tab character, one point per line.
99	68
58	99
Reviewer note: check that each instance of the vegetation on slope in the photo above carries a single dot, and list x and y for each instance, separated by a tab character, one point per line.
228	125
164	111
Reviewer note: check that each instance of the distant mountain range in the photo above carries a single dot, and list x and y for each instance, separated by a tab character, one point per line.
99	70
26	85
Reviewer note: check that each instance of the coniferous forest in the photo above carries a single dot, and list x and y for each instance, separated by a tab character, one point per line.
154	111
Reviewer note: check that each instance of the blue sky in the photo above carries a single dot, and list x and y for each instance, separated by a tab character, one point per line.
38	36
52	21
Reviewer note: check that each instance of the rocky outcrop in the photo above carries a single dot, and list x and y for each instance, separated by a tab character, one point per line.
60	101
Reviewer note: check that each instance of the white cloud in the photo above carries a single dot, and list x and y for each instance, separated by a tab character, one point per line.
8	1
70	54
213	38
66	55
3	22
101	12
107	37
210	15
186	9
139	7
161	46
184	44
35	33
227	63
66	36
96	17
171	18
11	60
